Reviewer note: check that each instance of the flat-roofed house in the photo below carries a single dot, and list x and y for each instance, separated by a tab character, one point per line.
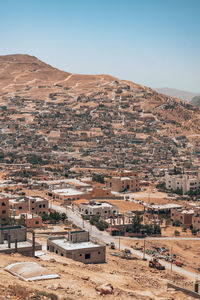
77	247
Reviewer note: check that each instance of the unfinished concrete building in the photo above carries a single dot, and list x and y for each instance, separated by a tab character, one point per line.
14	239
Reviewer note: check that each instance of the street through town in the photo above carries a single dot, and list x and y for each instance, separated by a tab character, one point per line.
106	238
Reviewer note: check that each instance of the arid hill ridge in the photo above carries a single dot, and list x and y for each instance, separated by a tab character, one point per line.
21	71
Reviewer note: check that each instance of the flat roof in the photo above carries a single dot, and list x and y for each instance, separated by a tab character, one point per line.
72	180
99	205
163	206
65	244
67	192
25	244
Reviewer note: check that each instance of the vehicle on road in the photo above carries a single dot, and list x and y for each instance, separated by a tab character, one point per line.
156	265
178	263
112	245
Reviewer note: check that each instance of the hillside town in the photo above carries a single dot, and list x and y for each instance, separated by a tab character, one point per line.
94	170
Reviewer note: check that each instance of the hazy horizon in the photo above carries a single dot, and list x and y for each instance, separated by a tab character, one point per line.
153	43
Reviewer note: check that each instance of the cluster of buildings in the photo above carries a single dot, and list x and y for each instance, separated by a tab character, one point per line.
29	208
104	126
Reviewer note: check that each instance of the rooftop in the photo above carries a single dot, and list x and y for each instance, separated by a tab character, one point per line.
65	244
163	206
67	192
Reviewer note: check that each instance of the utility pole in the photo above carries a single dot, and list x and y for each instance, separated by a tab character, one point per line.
171	259
144	250
90	228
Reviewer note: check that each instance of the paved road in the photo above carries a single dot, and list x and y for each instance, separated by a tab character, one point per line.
165	238
106	238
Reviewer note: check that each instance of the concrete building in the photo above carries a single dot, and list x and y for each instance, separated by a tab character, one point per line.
121	219
182	182
68	195
120	184
78	247
14	239
32	205
4	209
15	232
33	221
184	216
196	221
100	193
30	220
161	208
102	209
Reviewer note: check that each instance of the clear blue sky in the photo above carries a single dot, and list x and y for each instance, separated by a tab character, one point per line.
151	42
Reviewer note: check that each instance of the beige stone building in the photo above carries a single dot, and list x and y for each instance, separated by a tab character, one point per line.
120	184
32	205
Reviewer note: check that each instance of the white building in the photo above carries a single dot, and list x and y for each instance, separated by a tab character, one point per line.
183	182
103	209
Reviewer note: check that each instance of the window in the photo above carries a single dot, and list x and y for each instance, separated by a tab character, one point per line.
61	254
99	252
20	207
33	208
40	206
80	254
43	205
56	251
3	204
3	211
36	222
87	256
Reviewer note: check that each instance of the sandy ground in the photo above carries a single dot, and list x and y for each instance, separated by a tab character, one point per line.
186	251
130	279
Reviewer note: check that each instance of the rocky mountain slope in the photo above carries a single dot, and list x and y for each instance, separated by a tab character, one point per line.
103	121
